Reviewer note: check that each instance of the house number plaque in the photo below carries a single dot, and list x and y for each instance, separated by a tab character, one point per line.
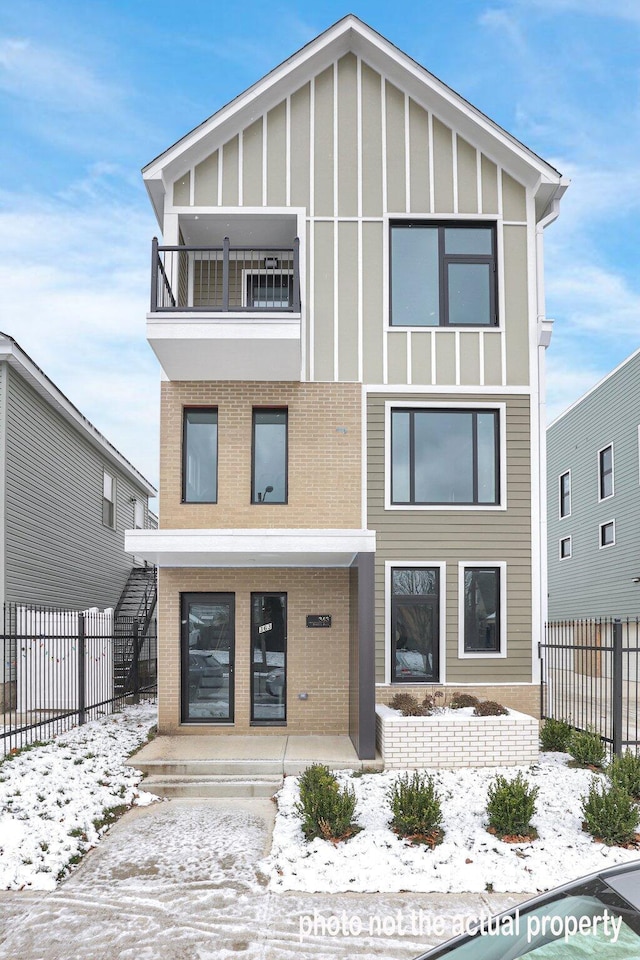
318	619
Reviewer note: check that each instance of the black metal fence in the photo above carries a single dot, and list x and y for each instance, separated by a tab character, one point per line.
61	667
590	673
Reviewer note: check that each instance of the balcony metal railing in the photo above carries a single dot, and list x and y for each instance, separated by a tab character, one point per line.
254	280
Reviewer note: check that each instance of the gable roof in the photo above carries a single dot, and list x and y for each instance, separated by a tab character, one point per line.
352	35
12	353
632	358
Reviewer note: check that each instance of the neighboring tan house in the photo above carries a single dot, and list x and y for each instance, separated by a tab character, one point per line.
593	496
66	496
347	305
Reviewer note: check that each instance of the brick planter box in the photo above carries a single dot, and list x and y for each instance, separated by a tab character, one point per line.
455	740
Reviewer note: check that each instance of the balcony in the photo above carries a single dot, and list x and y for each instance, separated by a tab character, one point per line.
226	312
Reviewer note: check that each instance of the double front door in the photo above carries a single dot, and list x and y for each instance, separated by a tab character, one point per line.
208	642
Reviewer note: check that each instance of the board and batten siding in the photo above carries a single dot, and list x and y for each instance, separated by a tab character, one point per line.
596	582
57	550
451	536
352	150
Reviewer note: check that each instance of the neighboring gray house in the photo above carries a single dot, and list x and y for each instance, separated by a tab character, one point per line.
593	492
66	496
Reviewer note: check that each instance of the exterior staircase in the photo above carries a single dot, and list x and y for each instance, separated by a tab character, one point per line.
133	618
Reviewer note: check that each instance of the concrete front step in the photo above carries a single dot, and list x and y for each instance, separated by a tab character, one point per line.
212	786
208	768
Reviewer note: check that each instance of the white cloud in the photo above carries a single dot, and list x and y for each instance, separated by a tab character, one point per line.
614	9
75	282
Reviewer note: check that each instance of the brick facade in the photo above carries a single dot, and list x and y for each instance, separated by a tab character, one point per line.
317	660
324	455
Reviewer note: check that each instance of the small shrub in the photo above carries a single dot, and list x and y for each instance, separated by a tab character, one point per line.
403	700
428	704
490	708
460	700
416	809
624	772
587	748
511	805
555	734
326	810
610	814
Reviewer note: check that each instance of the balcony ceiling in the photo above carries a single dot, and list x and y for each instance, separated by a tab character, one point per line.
271	230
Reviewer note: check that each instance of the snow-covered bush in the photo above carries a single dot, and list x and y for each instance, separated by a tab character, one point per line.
511	805
610	814
416	808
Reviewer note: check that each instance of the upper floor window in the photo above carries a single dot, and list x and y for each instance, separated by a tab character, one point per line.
605	472
269	456
565	494
443	274
200	455
608	533
138	515
108	500
442	456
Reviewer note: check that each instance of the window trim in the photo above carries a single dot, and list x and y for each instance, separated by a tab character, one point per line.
560	542
444	260
481	407
183	480
500	565
113	501
270	409
405	563
605	523
602	475
561	515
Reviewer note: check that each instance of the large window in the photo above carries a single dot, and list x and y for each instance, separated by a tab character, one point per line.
269	473
443	274
605	473
481	609
108	500
565	494
200	455
443	456
415	595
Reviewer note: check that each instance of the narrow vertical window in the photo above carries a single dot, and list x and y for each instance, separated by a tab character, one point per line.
482	610
138	515
200	456
415	624
607	533
269	456
565	494
565	548
605	472
108	500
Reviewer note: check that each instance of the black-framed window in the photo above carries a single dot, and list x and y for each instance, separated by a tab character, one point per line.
443	273
108	500
565	494
605	472
268	658
482	627
445	456
607	533
269	456
565	548
415	625
200	455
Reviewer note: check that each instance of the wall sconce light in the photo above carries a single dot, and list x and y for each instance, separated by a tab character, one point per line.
271	263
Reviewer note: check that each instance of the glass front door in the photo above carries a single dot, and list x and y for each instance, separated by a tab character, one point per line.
208	635
268	657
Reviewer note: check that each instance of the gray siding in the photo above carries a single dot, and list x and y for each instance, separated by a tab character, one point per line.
596	582
57	549
452	536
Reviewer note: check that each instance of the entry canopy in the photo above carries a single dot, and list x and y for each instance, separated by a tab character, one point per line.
250	548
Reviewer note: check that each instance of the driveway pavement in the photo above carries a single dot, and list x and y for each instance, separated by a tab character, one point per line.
179	880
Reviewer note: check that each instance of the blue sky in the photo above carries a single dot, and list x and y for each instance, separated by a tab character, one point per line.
90	92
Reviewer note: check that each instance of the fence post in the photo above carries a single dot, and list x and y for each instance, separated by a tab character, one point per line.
136	662
154	275
81	671
616	693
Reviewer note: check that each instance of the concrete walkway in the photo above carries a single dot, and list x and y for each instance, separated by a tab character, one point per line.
180	880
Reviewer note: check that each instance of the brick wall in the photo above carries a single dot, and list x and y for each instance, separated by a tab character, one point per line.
455	741
317	660
324	456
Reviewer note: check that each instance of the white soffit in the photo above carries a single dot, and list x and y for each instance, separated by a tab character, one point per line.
250	548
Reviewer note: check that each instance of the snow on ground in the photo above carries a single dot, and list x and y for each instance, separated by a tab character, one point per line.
54	798
468	860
